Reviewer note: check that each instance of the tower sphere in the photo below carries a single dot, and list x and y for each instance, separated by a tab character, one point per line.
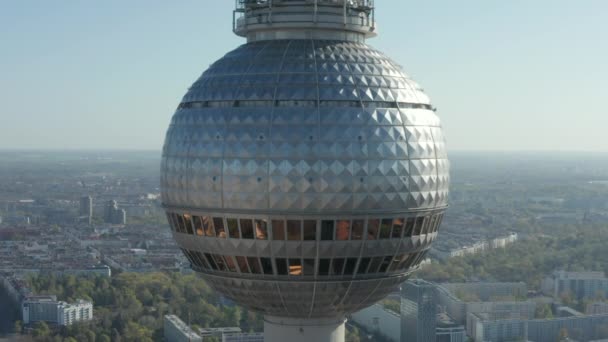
304	174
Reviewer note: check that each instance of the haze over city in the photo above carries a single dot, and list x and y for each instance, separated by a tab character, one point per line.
517	75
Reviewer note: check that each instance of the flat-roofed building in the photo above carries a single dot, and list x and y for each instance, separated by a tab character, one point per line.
175	330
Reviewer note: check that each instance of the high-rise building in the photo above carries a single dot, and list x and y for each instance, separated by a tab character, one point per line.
418	311
304	174
113	214
86	208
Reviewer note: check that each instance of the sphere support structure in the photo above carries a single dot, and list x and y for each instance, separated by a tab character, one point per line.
278	329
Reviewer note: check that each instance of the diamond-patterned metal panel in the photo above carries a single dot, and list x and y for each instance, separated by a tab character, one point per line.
305	128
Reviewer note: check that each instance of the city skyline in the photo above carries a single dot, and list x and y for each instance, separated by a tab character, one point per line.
106	76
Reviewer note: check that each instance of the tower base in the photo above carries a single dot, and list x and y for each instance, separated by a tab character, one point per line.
277	329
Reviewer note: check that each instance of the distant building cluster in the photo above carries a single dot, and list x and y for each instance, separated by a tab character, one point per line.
477	247
48	309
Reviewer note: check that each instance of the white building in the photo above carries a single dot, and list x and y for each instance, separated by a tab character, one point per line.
379	320
48	309
178	331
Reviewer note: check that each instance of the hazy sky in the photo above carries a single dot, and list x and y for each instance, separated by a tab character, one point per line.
505	75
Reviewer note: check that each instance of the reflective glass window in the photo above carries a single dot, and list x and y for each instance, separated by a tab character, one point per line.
211	261
219	261
242	264
261	229
439	220
170	221
349	268
230	263
187	254
363	264
218	223
385	228
337	266
180	223
295	267
327	230
310	230
294	230
198	226
342	229
428	228
397	228
385	263
188	224
176	223
208	226
396	262
233	228
278	230
247	228
254	265
357	230
266	265
425	224
281	266
324	267
409	227
375	263
418	225
309	267
407	262
373	226
202	259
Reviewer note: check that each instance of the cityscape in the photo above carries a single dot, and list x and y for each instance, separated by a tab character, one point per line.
51	235
301	189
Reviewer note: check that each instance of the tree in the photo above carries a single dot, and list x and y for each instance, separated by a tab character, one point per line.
18	327
104	338
41	329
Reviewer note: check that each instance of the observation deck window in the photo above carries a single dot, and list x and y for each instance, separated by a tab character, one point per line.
337	266
385	228
397	228
230	263
254	265
373	226
310	230
294	230
220	232
309	267
349	268
324	267
233	228
327	230
266	265
281	266
278	230
261	229
342	230
295	267
247	229
242	262
363	265
357	230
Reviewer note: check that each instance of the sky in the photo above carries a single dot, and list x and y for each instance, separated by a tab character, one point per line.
505	75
